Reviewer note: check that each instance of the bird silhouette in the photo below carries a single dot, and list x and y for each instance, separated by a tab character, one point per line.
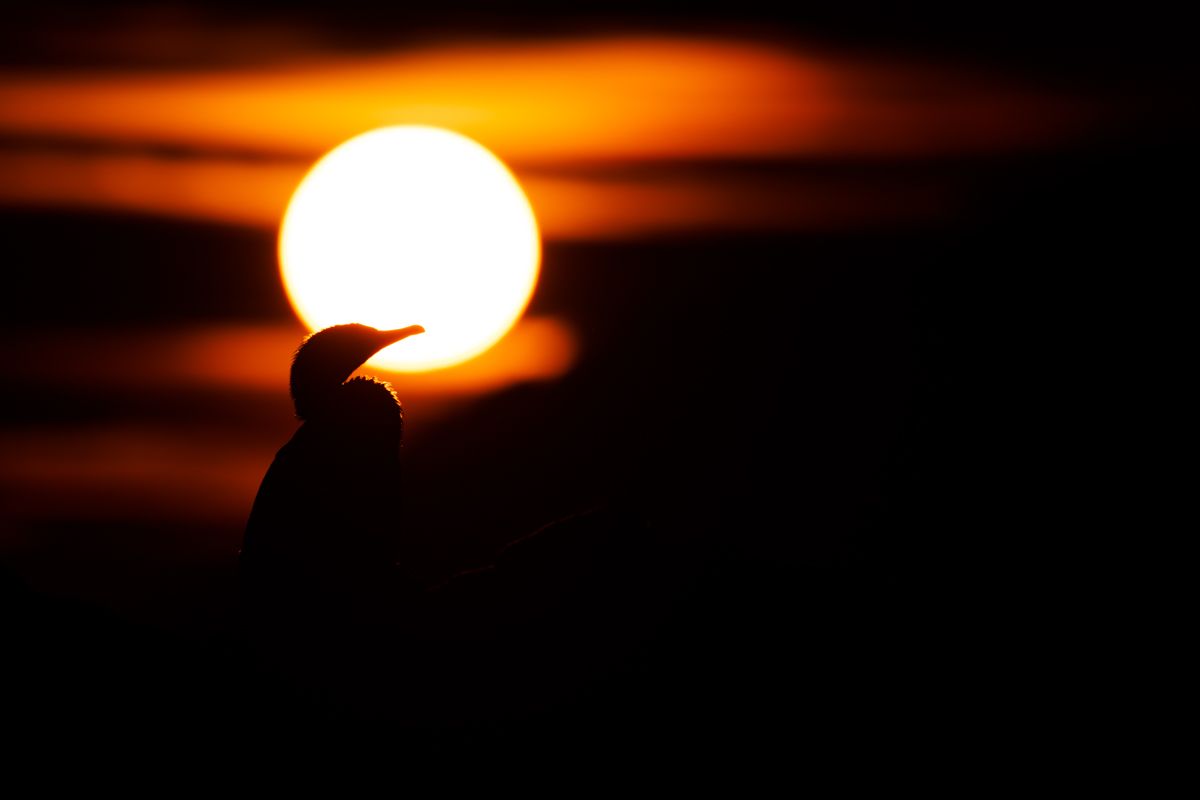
330	603
322	531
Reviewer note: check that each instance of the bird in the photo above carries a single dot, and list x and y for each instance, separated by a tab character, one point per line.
328	602
321	533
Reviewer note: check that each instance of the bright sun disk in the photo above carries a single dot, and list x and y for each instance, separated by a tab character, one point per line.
412	225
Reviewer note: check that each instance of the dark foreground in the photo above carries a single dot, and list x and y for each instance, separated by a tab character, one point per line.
840	474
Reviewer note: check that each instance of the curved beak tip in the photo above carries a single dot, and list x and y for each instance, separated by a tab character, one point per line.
390	337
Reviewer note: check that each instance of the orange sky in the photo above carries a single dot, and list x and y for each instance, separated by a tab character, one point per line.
230	144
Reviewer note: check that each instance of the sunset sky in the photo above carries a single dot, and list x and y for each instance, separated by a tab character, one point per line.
818	283
175	112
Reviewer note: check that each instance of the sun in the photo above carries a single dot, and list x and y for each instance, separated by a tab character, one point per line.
408	225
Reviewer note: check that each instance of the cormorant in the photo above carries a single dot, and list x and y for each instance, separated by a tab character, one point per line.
322	532
329	604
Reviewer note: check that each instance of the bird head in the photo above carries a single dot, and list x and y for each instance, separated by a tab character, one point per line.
325	360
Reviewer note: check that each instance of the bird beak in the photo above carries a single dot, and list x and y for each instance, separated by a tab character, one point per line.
391	337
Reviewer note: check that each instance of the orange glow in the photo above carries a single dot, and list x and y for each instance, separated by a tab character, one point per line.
544	102
536	349
560	113
412	224
148	471
246	193
567	207
141	471
528	102
255	359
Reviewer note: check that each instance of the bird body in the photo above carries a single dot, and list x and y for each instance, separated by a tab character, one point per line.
322	531
327	602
